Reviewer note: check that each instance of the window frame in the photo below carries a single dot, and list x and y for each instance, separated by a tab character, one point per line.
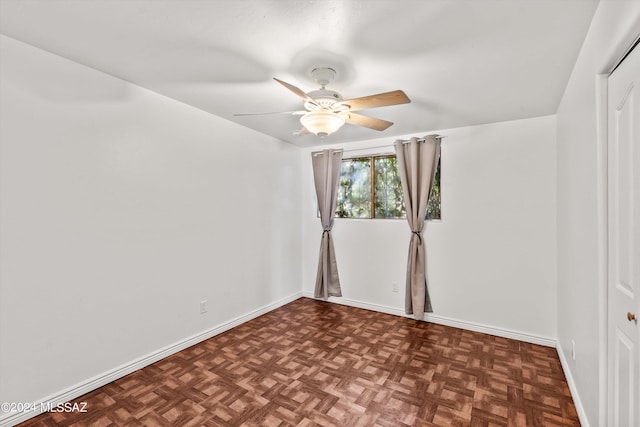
371	188
373	158
372	183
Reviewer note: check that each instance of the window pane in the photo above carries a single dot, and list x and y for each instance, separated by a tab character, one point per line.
433	205
354	192
388	201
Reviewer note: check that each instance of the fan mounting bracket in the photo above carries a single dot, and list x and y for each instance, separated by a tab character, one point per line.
323	75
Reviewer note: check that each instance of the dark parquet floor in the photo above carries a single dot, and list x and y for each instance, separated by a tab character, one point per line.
312	363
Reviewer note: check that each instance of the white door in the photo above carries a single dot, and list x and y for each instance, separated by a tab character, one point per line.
624	243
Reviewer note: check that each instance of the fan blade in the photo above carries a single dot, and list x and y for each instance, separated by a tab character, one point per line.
379	100
292	113
297	91
368	122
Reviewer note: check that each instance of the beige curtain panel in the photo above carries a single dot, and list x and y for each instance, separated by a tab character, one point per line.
326	175
417	162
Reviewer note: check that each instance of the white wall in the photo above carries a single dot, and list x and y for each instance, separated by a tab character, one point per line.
581	204
120	210
491	260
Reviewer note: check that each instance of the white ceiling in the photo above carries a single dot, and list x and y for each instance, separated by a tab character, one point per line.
462	62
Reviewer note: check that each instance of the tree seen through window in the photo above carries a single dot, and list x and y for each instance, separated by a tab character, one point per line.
370	187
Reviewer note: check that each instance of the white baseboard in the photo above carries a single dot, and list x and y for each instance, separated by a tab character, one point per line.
582	415
447	321
63	396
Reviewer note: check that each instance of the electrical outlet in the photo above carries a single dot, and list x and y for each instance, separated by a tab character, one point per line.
573	349
203	306
394	287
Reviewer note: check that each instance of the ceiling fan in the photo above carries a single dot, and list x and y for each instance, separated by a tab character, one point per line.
326	111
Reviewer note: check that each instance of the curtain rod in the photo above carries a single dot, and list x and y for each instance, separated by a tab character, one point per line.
404	141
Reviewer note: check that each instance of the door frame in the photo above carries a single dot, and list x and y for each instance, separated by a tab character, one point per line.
602	195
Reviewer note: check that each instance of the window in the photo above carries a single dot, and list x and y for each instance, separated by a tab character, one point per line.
433	205
370	187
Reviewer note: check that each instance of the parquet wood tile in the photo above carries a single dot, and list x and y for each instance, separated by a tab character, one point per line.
312	363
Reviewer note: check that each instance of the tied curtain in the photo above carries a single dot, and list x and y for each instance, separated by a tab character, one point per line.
326	176
417	162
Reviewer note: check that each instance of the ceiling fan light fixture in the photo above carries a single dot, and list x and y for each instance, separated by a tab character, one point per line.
323	123
326	111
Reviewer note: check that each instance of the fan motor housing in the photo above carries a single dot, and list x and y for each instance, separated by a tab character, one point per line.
325	98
